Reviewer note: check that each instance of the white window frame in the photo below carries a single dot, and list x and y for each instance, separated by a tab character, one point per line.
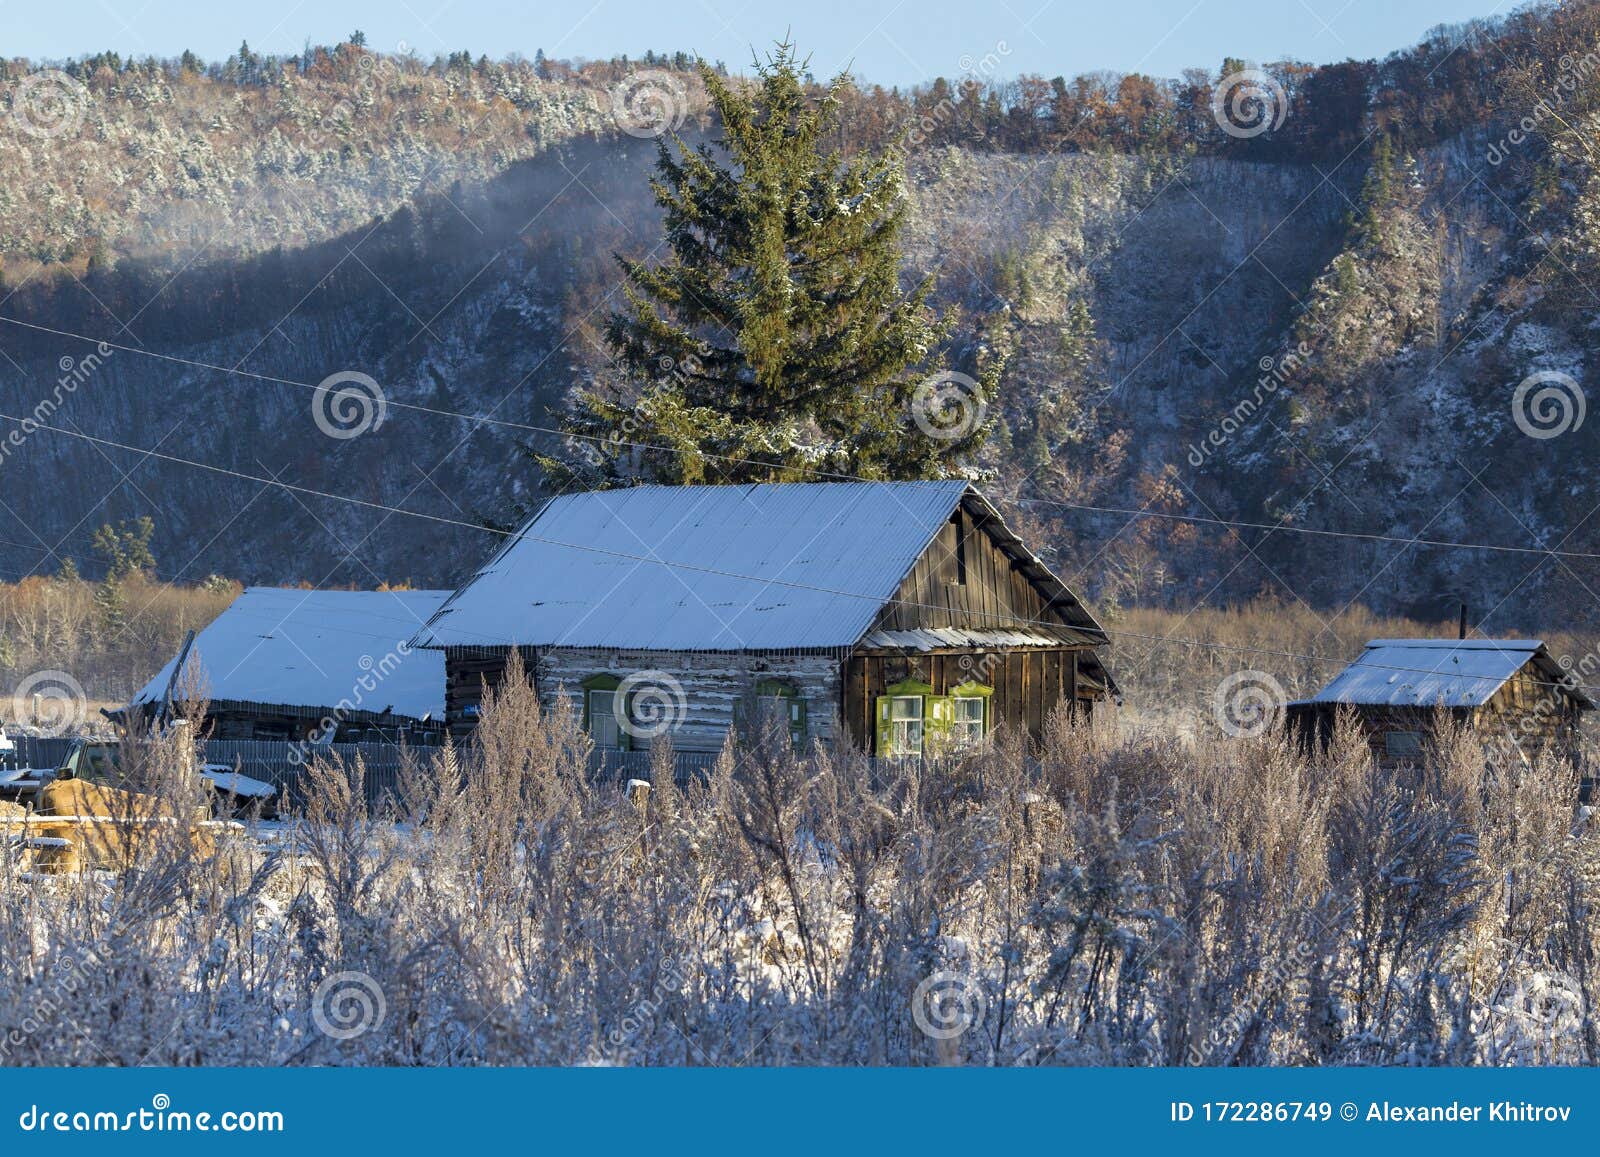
961	730
900	727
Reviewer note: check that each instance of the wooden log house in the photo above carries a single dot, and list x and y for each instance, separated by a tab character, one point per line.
1510	691
895	616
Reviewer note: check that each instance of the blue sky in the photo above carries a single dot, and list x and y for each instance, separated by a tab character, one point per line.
887	41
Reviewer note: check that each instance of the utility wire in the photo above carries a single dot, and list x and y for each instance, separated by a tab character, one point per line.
527	427
698	569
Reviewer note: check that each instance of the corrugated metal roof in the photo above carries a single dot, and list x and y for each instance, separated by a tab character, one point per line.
935	638
685	568
299	648
1434	672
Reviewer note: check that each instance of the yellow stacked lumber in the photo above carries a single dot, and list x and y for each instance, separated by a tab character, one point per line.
104	827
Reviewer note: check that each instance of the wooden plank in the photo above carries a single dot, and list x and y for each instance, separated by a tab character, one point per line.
997	592
1033	691
1072	682
852	692
1015	704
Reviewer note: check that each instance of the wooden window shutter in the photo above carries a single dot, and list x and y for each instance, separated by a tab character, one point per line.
885	728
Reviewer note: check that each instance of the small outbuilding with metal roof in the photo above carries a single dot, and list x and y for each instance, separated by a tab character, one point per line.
1510	689
291	664
897	615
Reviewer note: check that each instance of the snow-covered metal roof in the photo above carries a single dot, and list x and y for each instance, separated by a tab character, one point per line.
318	649
708	568
1437	672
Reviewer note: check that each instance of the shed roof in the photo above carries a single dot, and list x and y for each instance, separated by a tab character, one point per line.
1439	672
282	647
775	566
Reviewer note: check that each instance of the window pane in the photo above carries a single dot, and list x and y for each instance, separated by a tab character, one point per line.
969	711
1403	743
602	719
907	739
786	708
907	707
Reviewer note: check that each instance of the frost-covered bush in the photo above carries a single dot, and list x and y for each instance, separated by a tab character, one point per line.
1099	898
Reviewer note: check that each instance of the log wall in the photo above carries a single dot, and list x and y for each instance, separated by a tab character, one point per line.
712	685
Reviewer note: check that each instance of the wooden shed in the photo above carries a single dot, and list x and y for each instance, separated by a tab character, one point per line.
292	664
897	615
1506	689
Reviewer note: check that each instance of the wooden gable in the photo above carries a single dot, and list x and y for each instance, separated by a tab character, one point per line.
976	575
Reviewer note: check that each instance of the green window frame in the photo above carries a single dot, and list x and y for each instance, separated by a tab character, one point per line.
780	692
600	717
911	718
968	726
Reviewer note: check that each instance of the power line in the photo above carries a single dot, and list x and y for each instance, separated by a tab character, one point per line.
481	419
1163	639
165	457
1228	522
839	476
698	569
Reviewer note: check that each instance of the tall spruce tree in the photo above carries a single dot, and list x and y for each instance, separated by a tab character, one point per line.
774	342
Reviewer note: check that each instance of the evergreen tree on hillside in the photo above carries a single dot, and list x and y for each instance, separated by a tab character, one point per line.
775	332
125	547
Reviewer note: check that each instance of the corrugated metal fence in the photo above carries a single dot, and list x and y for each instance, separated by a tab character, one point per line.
274	762
34	752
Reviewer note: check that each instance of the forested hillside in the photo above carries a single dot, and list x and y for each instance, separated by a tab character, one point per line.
1305	298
